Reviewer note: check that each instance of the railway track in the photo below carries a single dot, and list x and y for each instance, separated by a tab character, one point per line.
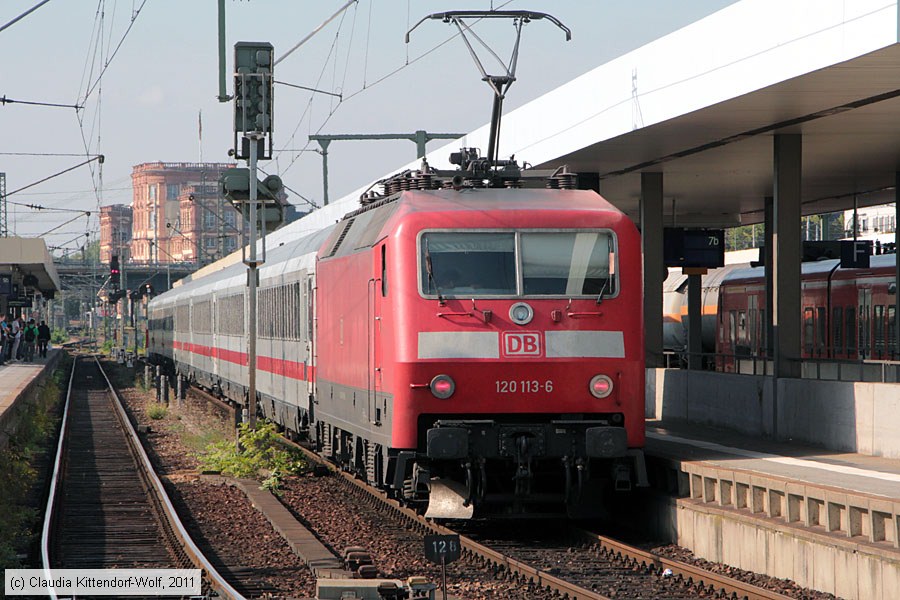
569	563
107	508
566	562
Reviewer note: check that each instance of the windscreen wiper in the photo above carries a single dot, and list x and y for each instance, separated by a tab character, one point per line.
430	271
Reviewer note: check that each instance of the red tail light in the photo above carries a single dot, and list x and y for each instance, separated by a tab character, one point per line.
601	386
442	386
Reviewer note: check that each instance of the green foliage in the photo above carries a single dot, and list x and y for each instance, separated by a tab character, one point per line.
157	411
828	226
107	346
261	456
17	476
59	336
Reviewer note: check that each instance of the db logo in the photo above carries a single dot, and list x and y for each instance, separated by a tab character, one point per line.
523	343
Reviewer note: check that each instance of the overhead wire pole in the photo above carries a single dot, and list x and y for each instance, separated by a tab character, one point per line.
420	137
4	215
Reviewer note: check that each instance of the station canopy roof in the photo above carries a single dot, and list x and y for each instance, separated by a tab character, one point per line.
29	256
702	105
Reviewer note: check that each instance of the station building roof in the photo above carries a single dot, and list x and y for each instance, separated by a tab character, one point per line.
29	256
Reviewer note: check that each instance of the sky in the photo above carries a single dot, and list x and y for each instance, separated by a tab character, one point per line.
143	71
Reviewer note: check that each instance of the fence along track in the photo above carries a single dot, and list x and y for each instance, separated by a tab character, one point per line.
91	459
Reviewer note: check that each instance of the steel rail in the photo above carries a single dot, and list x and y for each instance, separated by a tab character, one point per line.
49	510
688	572
697	575
734	587
177	527
218	582
470	547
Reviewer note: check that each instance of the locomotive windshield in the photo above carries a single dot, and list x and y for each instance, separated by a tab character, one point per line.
526	263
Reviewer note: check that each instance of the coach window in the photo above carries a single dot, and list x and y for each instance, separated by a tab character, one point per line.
837	324
808	330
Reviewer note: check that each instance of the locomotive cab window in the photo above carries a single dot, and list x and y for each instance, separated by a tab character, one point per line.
482	264
529	263
567	263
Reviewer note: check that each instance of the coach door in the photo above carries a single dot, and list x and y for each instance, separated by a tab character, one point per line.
865	327
310	338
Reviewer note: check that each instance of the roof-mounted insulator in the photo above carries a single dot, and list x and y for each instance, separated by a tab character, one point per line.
562	179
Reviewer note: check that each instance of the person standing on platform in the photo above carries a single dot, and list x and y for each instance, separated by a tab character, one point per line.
30	335
16	331
4	336
43	339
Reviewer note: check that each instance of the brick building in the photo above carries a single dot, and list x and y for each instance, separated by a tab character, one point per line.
115	230
177	215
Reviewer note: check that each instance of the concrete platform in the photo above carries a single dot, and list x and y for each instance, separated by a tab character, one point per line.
20	381
827	520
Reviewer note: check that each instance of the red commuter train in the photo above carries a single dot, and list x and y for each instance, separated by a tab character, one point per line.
466	340
845	313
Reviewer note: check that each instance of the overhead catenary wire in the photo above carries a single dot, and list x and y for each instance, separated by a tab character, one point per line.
314	31
73	219
112	56
98	157
24	14
4	101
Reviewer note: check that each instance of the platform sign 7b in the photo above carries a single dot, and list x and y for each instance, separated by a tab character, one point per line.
442	549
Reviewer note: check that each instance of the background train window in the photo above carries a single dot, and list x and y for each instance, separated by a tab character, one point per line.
837	325
808	329
864	332
466	264
821	331
764	331
851	331
567	263
879	330
892	331
732	329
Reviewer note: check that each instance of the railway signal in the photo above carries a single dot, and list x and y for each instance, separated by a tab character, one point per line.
234	186
254	65
253	98
114	268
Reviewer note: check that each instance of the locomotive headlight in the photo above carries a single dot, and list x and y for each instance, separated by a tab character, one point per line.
442	386
601	386
521	313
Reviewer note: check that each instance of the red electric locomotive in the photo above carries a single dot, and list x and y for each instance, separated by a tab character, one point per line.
482	346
